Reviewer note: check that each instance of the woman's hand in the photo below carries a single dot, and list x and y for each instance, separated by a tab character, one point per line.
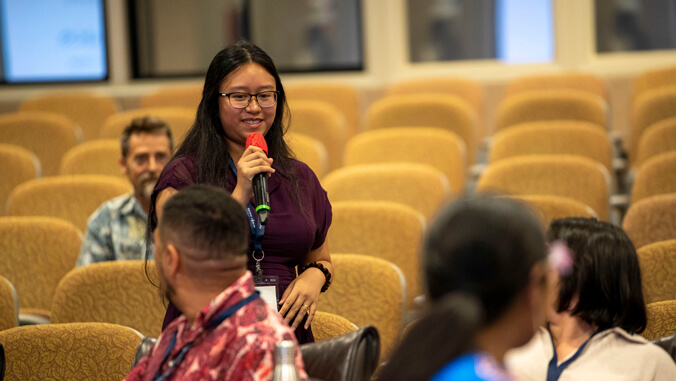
252	162
301	297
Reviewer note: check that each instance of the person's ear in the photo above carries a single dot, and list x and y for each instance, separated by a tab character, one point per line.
123	165
172	261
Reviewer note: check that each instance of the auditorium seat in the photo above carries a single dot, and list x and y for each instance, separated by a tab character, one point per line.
437	147
323	122
87	110
9	305
182	96
449	112
565	137
655	176
661	319
36	253
658	271
326	326
96	157
654	79
651	107
575	177
382	229
368	291
651	219
72	198
310	151
420	186
541	105
569	80
658	138
116	292
179	119
49	136
343	97
79	351
17	165
550	207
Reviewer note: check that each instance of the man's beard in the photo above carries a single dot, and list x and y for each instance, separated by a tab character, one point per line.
147	183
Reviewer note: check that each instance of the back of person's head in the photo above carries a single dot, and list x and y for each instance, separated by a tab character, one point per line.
604	286
207	226
144	125
478	258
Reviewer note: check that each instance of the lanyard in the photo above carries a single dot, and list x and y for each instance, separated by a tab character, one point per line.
257	231
212	324
553	370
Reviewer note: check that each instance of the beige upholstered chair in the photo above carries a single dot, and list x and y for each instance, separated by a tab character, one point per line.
661	319
399	182
369	291
551	208
553	138
72	198
323	122
326	326
36	253
651	220
655	176
96	157
382	229
343	97
17	165
78	351
184	96
569	80
658	271
654	79
310	151
651	107
87	110
656	139
574	177
48	136
437	147
179	119
118	292
9	305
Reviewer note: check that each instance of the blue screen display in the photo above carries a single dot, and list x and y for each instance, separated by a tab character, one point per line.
524	31
53	40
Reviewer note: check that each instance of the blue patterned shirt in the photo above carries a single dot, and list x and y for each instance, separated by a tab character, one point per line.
116	231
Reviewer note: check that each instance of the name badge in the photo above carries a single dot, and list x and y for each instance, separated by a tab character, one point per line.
267	286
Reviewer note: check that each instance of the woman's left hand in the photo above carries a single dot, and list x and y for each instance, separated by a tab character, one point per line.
301	297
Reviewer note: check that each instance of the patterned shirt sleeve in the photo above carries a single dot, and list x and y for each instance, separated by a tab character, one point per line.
97	245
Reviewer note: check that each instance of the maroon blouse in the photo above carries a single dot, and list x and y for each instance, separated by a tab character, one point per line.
289	234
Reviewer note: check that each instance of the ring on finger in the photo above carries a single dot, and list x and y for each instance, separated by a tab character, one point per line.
308	308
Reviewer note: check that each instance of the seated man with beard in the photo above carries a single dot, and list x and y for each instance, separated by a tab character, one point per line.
116	231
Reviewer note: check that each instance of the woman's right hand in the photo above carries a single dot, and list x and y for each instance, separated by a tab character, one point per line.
252	162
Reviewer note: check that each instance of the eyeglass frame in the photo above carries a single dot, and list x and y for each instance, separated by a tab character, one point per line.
251	96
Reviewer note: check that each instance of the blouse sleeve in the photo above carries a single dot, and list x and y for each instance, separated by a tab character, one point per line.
321	207
178	174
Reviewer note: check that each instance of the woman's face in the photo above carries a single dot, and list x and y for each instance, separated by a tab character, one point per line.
238	123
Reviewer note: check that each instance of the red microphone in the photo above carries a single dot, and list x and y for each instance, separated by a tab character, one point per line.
260	180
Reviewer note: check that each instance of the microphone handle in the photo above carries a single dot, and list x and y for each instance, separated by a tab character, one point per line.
261	196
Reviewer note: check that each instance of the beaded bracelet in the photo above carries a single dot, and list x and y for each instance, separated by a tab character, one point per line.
323	269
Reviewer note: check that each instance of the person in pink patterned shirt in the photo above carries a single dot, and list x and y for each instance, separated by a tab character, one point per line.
226	331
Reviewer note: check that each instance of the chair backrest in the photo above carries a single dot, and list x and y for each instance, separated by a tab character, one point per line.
658	271
651	107
48	136
87	110
36	253
310	151
553	138
9	305
651	219
571	80
326	326
72	198
449	112
574	177
79	351
96	157
420	186
17	165
179	120
369	291
555	207
437	147
653	79
661	319
343	97
656	176
656	139
382	229
117	292
539	105
184	96
322	121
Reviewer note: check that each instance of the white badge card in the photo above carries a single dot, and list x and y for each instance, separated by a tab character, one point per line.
267	287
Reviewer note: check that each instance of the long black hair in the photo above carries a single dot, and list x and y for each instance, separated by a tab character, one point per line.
477	259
